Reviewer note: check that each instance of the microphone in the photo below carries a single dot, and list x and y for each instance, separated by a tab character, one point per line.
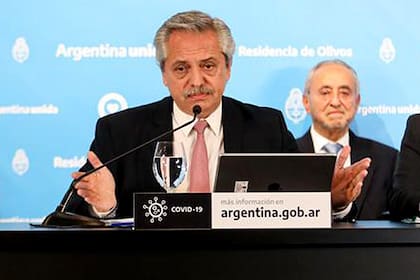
61	218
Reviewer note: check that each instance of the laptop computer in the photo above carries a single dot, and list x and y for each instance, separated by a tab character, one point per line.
274	172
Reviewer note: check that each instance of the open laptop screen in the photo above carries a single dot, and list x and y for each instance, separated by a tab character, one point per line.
271	172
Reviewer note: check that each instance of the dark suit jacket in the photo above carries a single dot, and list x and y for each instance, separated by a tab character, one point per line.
406	192
246	128
376	190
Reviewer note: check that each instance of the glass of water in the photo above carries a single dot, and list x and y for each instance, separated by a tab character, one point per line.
169	164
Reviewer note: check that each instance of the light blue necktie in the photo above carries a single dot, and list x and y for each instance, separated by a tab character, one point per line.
332	148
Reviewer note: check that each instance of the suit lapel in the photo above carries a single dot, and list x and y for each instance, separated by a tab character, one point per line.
162	119
233	127
305	143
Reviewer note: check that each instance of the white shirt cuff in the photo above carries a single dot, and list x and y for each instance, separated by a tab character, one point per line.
340	214
108	214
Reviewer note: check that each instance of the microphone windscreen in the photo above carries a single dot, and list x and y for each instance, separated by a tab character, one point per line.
196	109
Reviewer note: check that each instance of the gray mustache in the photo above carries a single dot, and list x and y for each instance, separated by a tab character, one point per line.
198	90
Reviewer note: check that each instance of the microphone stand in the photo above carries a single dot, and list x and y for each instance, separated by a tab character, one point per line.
62	218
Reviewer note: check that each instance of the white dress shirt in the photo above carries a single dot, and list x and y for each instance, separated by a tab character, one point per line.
319	141
213	136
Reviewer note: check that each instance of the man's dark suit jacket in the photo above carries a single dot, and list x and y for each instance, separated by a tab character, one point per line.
372	203
246	128
406	192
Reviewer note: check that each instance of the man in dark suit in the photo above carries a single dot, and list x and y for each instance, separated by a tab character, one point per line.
244	130
195	53
405	201
331	97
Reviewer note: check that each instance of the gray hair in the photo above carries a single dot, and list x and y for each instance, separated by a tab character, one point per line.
332	61
193	21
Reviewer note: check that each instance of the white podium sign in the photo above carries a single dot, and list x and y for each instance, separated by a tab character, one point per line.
271	210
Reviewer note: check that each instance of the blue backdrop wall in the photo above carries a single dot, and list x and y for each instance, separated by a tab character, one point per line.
65	63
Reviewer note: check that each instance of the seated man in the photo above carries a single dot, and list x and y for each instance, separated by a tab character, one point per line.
405	201
331	96
194	52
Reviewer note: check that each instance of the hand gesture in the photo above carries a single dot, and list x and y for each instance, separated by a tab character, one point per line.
98	188
347	182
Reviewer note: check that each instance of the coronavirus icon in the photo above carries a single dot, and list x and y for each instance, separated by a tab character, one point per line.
155	209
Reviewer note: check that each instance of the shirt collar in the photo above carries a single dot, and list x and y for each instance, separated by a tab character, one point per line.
319	141
214	120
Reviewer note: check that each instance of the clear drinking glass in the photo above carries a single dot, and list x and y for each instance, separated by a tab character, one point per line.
169	164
